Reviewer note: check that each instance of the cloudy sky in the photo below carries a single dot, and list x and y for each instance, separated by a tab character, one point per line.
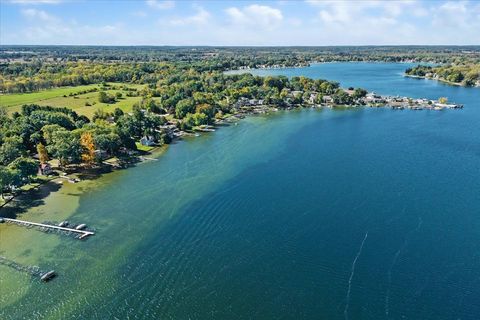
161	22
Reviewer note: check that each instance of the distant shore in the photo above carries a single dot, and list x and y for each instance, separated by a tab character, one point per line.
437	79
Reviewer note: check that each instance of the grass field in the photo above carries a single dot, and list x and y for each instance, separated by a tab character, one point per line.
84	104
10	100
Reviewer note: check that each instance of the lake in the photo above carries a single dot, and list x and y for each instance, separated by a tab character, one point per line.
310	214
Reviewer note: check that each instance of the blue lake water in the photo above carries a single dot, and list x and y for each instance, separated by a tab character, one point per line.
311	214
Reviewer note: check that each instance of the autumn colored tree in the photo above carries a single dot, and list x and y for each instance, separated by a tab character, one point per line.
88	146
443	100
42	153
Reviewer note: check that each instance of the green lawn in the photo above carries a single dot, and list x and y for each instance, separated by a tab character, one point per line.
10	100
80	103
141	147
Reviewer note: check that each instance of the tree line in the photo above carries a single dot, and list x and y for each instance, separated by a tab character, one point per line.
465	74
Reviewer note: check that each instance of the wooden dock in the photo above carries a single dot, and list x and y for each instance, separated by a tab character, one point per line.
82	233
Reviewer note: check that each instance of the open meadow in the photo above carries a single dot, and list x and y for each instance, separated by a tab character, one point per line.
82	99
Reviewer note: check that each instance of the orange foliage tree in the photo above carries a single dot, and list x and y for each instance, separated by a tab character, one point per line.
88	145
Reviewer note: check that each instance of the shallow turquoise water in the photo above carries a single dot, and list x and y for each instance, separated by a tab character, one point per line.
347	214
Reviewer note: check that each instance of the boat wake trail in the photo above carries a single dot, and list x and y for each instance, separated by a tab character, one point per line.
394	262
352	273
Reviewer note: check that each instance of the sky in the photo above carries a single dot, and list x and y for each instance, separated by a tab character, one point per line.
239	23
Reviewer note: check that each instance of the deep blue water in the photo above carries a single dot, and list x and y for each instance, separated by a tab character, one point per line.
332	214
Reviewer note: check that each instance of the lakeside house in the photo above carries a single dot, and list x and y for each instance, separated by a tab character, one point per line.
45	169
170	129
147	141
372	97
327	99
296	98
101	154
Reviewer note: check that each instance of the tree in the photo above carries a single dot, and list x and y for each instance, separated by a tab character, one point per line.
183	107
200	118
49	130
342	98
42	153
6	180
104	97
359	93
127	129
109	142
100	114
65	146
25	169
3	114
117	113
88	146
207	110
11	148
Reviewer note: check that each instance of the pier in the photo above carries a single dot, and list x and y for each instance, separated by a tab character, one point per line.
82	233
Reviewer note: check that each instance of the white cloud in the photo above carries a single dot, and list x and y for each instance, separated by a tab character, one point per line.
457	19
255	15
201	17
336	22
161	4
39	14
43	28
344	11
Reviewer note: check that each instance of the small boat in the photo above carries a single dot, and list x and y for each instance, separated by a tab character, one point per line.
81	226
63	224
48	276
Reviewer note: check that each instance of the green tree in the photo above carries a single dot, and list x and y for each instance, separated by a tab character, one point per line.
7	177
109	142
11	148
359	93
342	98
104	97
117	113
25	168
183	107
65	146
207	109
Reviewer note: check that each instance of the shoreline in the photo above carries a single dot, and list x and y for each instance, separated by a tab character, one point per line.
105	168
16	204
316	62
458	84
